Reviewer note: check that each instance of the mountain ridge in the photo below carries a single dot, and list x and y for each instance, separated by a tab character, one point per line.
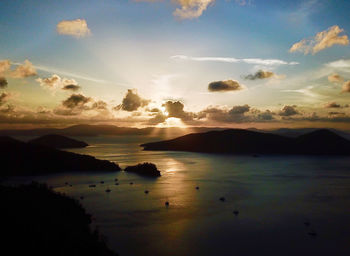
240	141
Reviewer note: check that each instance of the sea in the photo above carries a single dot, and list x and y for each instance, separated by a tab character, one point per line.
244	205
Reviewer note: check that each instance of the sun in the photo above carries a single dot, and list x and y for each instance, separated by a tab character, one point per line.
172	122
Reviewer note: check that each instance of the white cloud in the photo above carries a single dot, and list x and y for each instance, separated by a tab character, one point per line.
339	64
77	28
24	70
55	83
254	61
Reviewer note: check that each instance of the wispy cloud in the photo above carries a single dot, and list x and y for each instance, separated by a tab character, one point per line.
190	9
322	40
66	73
254	61
76	28
306	91
342	64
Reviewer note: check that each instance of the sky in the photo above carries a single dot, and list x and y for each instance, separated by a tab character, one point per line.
139	63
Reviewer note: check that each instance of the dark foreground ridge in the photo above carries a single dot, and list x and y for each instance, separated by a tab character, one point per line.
20	158
145	169
39	221
58	141
239	141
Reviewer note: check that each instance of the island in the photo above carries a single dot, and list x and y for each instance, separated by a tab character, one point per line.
39	221
145	169
26	159
240	141
58	141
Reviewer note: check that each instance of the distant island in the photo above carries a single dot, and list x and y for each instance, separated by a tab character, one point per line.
145	169
58	141
39	221
240	141
112	130
19	159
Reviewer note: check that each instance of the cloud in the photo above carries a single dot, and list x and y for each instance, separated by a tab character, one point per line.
4	66
55	82
254	61
3	82
224	86
132	101
239	110
76	100
261	74
243	2
24	70
335	78
71	87
99	105
76	104
190	9
76	28
176	109
346	86
4	97
332	105
157	119
339	64
153	110
288	111
321	41
267	115
237	114
65	73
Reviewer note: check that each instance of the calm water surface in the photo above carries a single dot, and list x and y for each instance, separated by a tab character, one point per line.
274	195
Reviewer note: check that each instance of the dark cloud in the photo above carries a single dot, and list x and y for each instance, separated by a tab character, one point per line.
236	114
71	87
288	111
332	105
224	86
238	110
99	105
333	113
76	104
76	100
157	119
153	110
176	109
132	101
267	115
3	82
260	75
4	97
9	109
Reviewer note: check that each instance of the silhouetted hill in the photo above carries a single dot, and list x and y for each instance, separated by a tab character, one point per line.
238	141
58	141
20	158
38	221
95	130
323	142
145	169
